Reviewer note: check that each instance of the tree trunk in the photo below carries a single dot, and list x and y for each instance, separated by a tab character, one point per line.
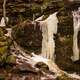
4	11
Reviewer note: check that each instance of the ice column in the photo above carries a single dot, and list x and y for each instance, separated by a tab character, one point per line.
76	25
49	28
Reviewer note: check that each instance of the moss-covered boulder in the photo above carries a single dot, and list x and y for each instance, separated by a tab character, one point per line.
65	77
5	43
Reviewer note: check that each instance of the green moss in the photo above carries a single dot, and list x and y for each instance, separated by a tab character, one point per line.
1	32
35	8
3	38
3	49
60	4
5	43
64	77
11	59
2	77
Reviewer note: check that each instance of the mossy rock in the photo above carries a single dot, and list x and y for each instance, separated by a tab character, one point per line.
1	32
11	59
3	50
5	43
2	77
3	38
35	8
64	77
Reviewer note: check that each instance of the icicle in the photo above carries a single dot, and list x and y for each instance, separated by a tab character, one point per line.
49	28
2	23
76	21
75	44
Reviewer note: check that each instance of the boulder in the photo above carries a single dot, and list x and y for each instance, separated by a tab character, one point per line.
5	43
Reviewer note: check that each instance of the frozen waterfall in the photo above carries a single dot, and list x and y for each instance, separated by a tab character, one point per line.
76	24
49	28
2	23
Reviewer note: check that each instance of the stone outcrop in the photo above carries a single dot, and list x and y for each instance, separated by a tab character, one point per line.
5	43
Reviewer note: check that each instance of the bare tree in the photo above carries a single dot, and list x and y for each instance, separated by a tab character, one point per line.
4	11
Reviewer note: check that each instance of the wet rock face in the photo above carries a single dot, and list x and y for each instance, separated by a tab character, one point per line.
28	35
